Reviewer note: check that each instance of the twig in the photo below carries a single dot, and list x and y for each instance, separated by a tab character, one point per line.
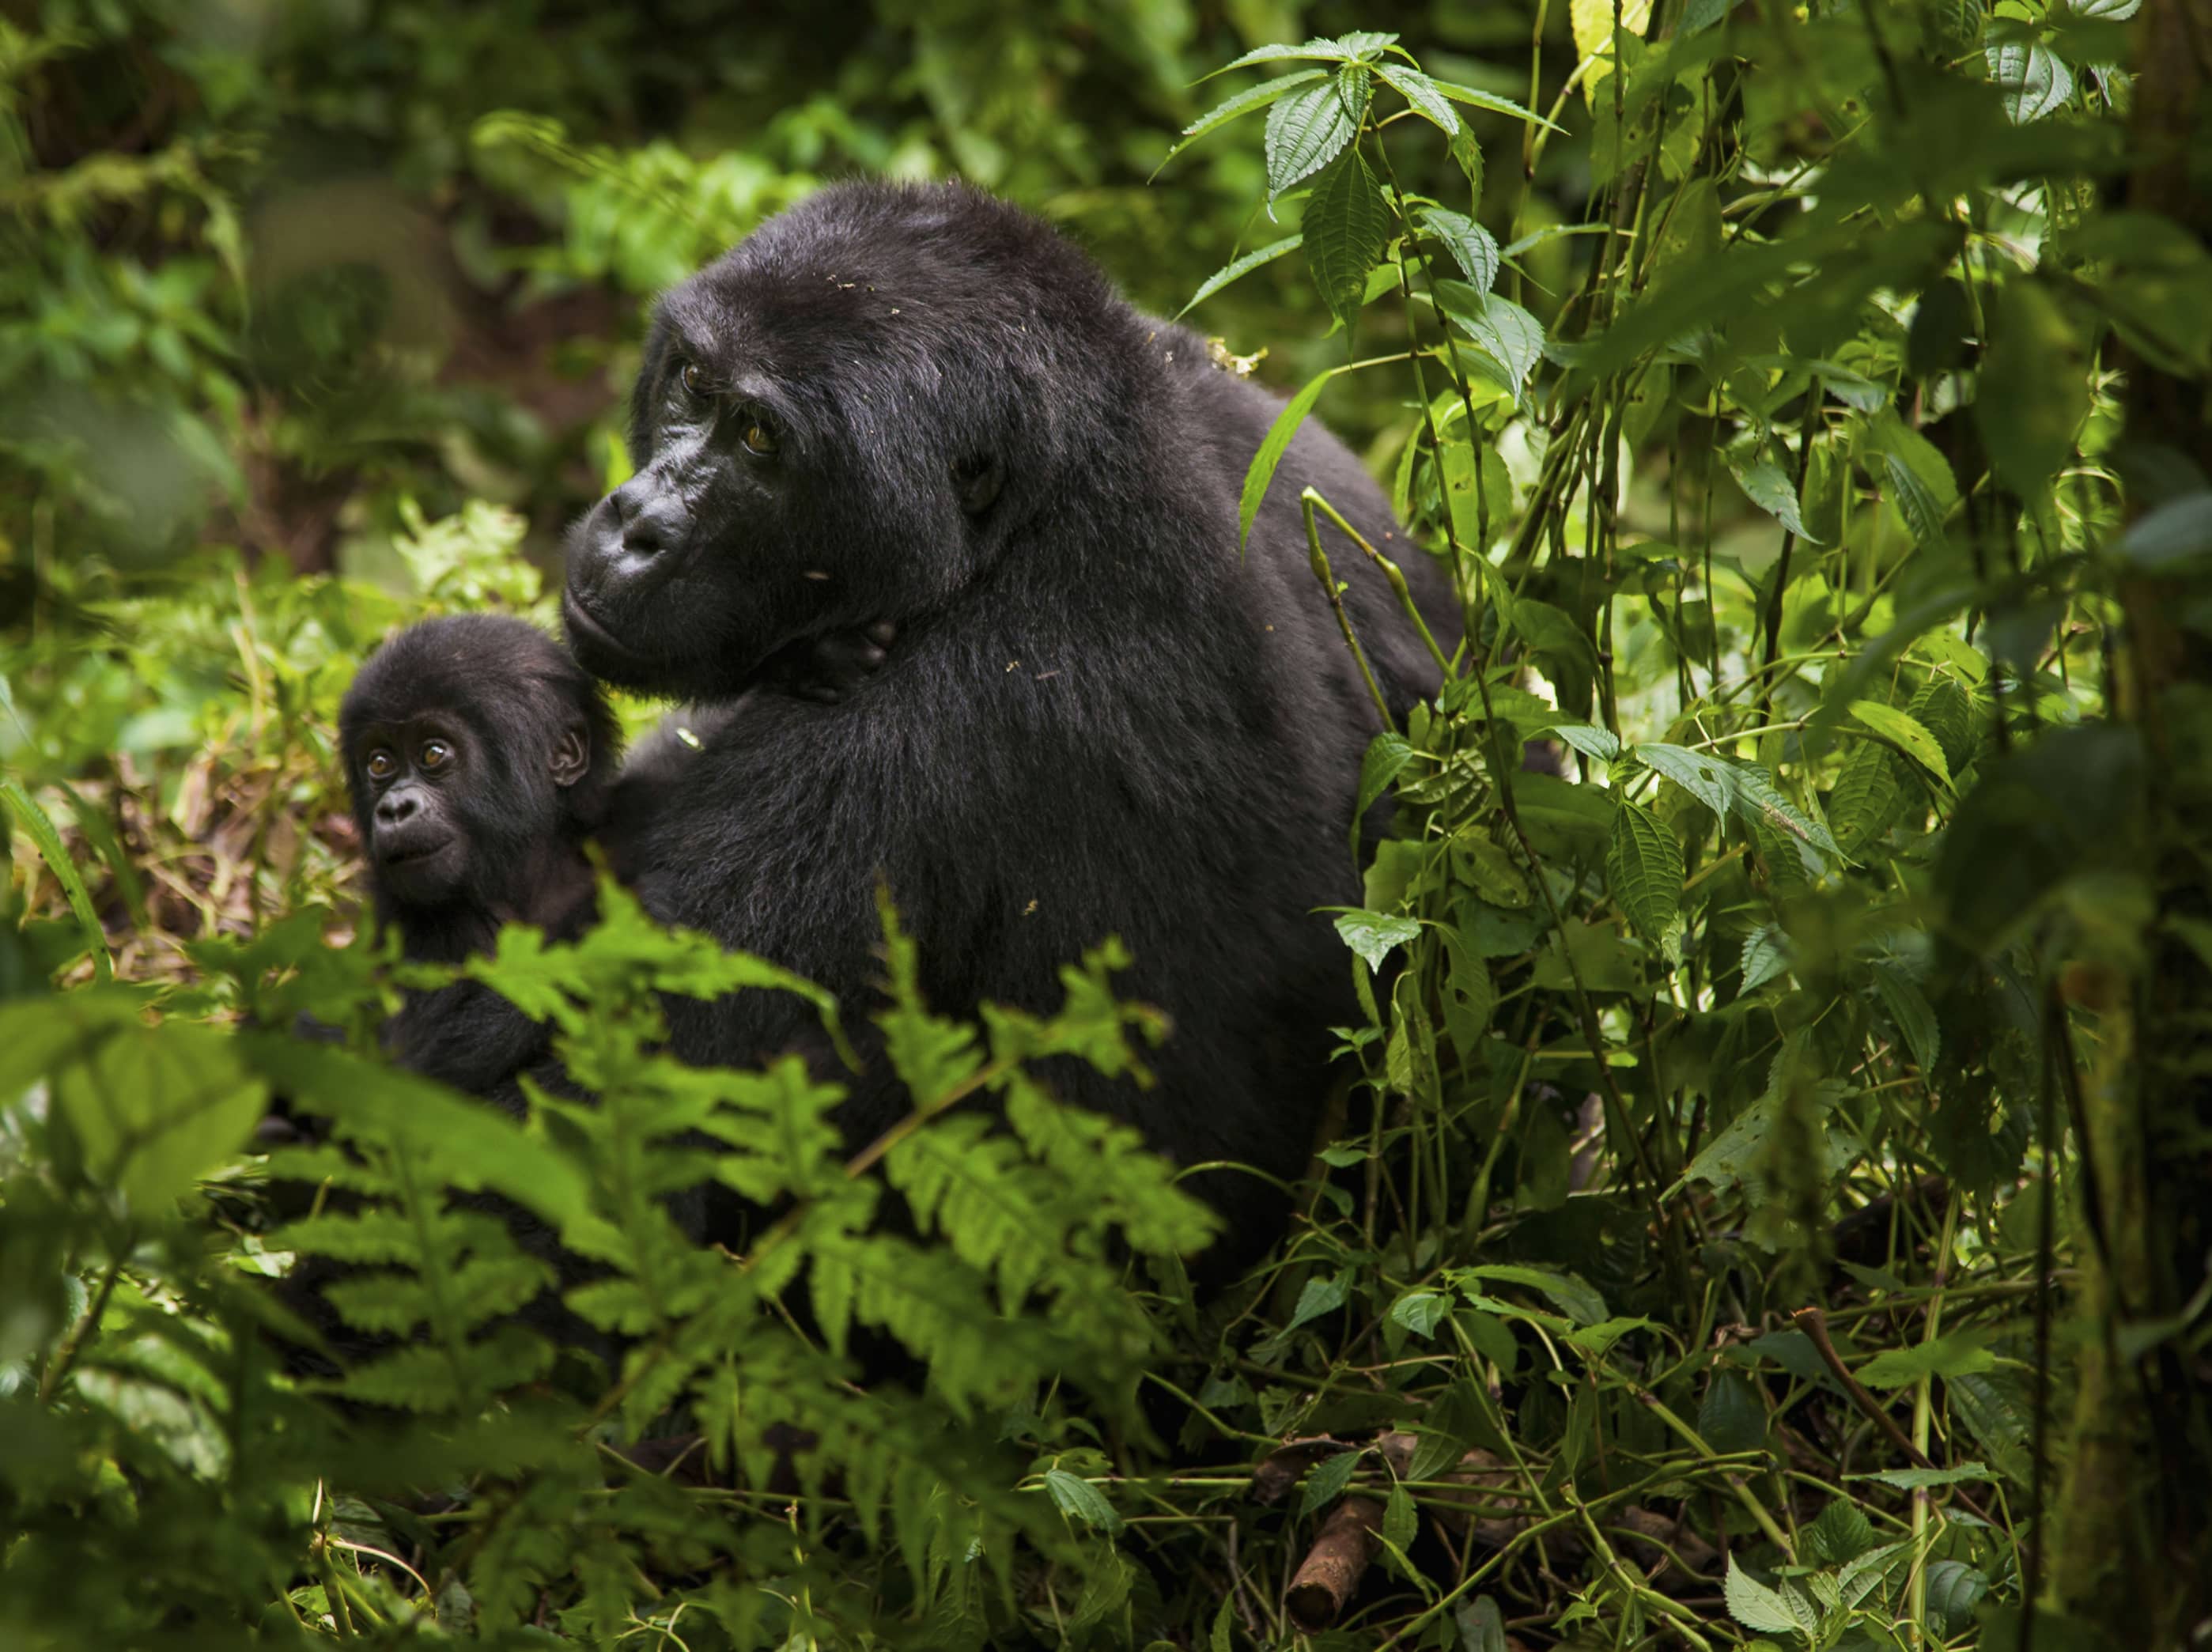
1814	1324
1334	1566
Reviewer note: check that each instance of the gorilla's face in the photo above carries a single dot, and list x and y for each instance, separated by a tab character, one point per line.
813	454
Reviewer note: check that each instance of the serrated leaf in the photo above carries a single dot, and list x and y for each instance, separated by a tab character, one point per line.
1306	130
1324	1293
1312	51
1273	446
1766	955
1471	246
1921	1479
1077	1496
1401	1520
1755	1606
1764	484
1576	1299
2035	80
1841	1534
1249	101
1947	711
1420	92
1508	334
1869	788
1239	267
1346	228
1326	1480
1919	476
1492	101
1590	739
1644	869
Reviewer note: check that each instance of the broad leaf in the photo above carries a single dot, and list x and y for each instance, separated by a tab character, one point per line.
1471	246
1346	228
1243	266
1306	130
1374	935
1904	730
1643	868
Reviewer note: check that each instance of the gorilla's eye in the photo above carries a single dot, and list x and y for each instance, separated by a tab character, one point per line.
758	436
436	754
380	765
694	379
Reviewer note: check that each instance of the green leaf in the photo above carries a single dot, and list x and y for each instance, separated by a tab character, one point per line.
1324	1293
1373	935
2034	390
1273	446
1306	130
1644	869
1590	740
1080	1498
1918	475
1764	484
1766	955
1908	1009
1922	1479
1244	103
1755	1606
1326	1480
1731	1418
1954	1589
2035	80
1422	94
1841	1534
1903	729
1481	1626
1346	228
1576	1299
1312	51
1492	102
40	828
1419	1311
1401	1520
1508	334
1960	1354
151	1107
1471	246
1239	267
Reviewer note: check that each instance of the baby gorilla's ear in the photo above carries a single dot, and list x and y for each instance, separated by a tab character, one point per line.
827	668
977	480
572	754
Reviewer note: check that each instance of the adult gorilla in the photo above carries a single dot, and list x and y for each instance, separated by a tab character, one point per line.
920	405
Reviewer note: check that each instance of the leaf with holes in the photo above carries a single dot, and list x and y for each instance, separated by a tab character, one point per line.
1346	228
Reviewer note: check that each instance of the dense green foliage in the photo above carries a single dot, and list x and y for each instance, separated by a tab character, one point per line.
1704	1251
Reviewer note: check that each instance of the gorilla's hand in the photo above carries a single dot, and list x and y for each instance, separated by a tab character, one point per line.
827	668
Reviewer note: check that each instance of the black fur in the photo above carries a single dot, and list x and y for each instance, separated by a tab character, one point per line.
1099	719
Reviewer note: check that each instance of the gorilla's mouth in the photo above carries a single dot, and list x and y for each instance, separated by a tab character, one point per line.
412	851
584	627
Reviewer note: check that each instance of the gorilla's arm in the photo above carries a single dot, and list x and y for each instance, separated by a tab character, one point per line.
467	1035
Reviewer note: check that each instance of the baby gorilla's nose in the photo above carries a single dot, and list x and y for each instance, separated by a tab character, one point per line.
397	808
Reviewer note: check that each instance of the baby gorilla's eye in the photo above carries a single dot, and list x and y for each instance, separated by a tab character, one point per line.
380	765
436	754
759	437
695	380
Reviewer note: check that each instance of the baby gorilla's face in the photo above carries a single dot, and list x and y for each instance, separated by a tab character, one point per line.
409	779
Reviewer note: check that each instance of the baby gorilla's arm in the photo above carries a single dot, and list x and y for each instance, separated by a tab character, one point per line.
826	669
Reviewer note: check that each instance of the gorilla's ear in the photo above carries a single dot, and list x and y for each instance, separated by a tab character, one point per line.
977	479
572	754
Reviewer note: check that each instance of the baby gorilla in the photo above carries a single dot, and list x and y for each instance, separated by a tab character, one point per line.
480	758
